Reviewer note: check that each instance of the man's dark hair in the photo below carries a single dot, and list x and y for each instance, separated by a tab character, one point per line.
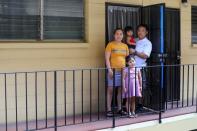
144	26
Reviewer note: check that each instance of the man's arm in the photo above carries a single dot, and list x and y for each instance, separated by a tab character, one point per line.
145	54
141	55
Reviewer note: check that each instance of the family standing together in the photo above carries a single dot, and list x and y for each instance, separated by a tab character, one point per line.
124	57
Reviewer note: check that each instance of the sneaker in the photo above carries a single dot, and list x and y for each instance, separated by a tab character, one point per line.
133	114
109	113
130	115
121	112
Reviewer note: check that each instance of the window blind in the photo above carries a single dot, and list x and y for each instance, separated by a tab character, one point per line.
19	19
194	24
63	19
41	19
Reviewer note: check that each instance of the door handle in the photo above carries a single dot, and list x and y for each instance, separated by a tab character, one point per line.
162	55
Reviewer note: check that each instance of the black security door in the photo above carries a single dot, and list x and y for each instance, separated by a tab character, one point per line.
154	16
172	49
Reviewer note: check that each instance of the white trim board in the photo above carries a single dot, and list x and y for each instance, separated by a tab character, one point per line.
152	123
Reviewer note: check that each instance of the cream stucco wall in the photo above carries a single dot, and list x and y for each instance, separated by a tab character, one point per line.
34	56
25	56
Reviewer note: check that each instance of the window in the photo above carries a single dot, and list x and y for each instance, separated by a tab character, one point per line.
194	24
41	19
19	19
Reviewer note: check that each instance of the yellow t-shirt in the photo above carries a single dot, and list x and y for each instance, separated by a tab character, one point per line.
118	53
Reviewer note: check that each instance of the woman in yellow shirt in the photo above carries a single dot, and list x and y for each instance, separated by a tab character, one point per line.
115	54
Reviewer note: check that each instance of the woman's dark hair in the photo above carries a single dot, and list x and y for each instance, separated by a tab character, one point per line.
128	28
117	30
144	26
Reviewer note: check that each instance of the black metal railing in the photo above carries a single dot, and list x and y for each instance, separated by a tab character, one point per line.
51	99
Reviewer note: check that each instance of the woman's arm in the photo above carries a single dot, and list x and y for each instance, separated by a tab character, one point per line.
107	60
123	81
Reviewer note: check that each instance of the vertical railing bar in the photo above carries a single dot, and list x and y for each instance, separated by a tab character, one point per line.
16	101
26	101
90	95
128	92
98	94
177	90
142	71
166	91
106	84
82	95
121	90
172	89
136	88
173	86
193	86
160	96
55	100
188	85
46	105
73	96
196	99
6	119
183	78
36	100
65	119
113	120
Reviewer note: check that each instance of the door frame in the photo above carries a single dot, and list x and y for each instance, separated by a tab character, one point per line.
164	27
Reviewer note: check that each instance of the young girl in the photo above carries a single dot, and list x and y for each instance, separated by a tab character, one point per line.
129	38
132	85
115	54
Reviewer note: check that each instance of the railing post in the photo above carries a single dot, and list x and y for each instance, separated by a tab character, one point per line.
46	97
16	101
183	79
65	100
188	72
160	97
90	95
6	111
74	113
82	96
26	101
55	99
36	101
193	86
113	105
98	95
196	101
